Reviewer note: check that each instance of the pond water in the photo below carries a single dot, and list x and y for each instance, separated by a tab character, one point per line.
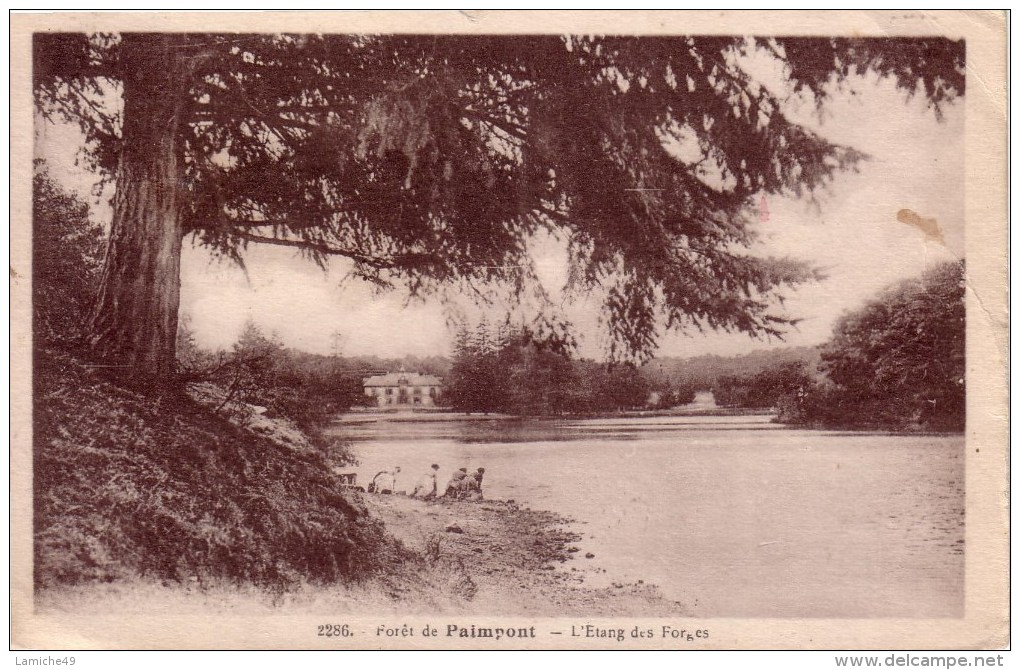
732	516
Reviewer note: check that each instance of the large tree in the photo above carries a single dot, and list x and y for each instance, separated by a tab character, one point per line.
430	160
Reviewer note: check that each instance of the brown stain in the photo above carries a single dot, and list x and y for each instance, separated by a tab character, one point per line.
930	227
14	273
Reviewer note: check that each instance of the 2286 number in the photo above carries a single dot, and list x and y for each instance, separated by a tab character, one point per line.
335	630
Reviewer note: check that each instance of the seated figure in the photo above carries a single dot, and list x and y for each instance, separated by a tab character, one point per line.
472	485
427	488
454	486
384	481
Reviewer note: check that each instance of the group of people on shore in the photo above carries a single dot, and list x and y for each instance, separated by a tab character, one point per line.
462	485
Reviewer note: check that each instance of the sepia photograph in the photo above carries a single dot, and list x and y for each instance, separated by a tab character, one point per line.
503	330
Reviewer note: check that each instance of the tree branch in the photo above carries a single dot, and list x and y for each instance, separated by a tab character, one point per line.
108	120
508	127
321	248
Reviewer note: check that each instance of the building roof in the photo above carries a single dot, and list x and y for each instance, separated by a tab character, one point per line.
411	379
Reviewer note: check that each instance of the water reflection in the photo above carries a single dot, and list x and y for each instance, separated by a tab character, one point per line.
365	427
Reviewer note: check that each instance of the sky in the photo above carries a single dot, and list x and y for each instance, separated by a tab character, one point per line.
854	233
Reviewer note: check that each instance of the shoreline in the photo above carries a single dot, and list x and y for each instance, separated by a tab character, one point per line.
371	415
362	417
501	550
488	557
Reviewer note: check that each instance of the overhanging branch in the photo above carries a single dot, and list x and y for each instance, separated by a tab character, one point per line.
316	247
375	262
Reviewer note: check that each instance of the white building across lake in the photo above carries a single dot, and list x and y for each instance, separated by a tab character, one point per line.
403	388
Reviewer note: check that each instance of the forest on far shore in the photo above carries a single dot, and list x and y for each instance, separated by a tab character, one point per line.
896	363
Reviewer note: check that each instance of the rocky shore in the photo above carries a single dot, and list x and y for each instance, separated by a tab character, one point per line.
500	558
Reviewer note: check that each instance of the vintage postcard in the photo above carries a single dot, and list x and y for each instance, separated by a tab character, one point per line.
509	330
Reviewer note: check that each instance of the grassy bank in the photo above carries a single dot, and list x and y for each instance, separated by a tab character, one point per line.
130	485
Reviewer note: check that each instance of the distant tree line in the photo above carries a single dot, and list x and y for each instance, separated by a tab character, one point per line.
704	371
762	390
512	370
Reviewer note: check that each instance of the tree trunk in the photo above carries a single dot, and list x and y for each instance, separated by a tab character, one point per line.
133	325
